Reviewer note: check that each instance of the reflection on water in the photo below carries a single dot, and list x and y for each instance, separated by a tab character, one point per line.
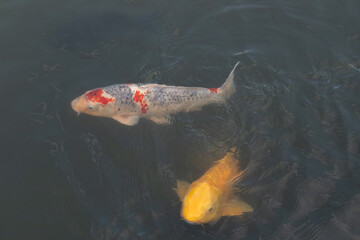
294	118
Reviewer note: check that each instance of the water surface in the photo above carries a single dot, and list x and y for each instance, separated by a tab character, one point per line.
295	117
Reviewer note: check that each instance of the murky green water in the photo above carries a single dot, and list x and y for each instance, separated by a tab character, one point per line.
295	117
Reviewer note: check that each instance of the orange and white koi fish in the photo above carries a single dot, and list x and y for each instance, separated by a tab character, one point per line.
211	196
126	103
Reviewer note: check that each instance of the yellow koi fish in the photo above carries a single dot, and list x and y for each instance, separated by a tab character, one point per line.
212	195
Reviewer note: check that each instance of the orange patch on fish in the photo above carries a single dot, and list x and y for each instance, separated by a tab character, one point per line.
97	96
214	90
139	98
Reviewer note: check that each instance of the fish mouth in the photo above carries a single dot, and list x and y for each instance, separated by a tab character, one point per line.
192	222
74	105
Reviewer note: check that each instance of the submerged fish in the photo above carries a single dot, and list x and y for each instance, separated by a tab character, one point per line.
126	103
212	195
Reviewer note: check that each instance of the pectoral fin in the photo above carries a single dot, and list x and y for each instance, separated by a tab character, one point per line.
181	189
161	119
195	108
214	221
127	120
236	207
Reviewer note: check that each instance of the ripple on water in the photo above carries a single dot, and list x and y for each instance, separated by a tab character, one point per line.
294	118
312	194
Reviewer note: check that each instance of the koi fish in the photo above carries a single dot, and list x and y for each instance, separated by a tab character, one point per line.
126	103
211	196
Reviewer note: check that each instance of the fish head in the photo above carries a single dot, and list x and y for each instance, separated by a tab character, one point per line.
202	203
95	102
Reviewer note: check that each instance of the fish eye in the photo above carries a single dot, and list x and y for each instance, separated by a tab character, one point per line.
211	209
91	107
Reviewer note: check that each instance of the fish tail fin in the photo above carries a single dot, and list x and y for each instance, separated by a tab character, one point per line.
229	88
232	162
232	150
230	158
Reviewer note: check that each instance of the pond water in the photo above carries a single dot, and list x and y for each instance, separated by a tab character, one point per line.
295	117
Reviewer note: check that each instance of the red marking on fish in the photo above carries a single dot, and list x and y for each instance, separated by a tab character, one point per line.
96	96
139	97
214	90
128	84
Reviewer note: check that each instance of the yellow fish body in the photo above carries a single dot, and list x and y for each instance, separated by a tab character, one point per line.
211	196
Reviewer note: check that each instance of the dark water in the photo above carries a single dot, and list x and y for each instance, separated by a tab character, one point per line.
295	117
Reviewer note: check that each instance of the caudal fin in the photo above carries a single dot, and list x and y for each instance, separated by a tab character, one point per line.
228	88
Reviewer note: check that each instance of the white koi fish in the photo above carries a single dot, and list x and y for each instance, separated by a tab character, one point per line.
126	103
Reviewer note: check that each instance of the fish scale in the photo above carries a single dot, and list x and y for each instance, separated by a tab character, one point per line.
158	95
126	103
